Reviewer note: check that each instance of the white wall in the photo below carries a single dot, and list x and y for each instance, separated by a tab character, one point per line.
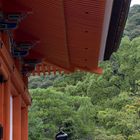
11	118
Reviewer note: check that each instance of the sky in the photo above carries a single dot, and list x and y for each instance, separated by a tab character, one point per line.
135	2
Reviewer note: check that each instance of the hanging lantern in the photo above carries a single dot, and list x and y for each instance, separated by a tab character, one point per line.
61	136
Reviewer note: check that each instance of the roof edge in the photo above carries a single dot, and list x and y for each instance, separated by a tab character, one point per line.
119	16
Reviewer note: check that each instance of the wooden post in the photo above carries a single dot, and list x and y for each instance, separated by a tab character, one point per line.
24	122
17	118
1	103
7	95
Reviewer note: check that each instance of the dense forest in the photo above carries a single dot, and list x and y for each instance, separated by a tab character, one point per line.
90	106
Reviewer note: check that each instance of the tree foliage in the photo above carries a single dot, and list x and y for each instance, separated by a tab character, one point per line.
133	23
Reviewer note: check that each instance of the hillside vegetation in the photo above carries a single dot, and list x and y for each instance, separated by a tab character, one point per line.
89	106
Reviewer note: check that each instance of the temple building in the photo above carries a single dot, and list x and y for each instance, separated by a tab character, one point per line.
49	36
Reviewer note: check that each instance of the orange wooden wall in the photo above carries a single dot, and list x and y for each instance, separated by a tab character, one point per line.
13	87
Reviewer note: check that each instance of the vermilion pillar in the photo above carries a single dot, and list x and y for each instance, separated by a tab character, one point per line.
17	117
1	103
24	123
7	95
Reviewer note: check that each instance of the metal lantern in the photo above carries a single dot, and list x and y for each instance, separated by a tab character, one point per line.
61	136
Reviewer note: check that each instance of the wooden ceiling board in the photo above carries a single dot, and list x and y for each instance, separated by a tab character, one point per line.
48	24
84	26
